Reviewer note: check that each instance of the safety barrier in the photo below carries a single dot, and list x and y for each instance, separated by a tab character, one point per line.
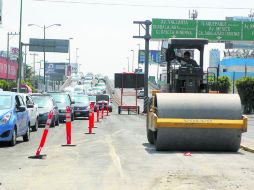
43	138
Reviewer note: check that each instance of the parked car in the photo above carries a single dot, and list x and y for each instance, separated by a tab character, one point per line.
93	99
45	104
102	87
14	118
107	100
24	89
81	106
32	111
140	94
63	100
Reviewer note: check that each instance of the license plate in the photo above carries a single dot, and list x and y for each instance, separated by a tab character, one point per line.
77	113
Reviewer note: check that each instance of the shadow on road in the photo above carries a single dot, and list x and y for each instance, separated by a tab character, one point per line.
151	150
7	145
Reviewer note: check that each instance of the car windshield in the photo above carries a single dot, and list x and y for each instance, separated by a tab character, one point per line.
92	98
100	84
81	99
78	89
5	102
61	98
43	101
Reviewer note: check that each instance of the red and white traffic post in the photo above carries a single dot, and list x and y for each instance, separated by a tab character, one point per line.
68	127
102	109
98	111
107	107
90	122
44	137
92	110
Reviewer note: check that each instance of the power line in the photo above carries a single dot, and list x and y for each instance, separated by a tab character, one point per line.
142	5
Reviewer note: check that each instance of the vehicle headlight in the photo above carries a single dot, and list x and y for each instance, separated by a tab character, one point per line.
5	118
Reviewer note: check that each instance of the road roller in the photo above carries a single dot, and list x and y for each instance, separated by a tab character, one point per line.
184	117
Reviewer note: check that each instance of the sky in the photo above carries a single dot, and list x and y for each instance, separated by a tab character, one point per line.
103	30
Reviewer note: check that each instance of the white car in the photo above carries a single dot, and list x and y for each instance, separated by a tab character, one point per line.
32	111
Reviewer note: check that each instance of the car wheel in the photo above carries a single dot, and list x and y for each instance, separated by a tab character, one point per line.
53	122
35	127
14	138
57	121
26	137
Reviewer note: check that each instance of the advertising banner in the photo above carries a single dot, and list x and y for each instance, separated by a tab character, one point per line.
74	68
12	68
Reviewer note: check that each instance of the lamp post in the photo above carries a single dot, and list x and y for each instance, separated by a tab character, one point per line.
44	54
128	64
70	50
77	59
34	55
132	66
138	54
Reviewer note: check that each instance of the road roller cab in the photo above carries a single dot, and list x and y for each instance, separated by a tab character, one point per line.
182	76
185	118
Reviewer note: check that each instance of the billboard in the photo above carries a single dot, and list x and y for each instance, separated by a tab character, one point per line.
154	56
55	71
12	69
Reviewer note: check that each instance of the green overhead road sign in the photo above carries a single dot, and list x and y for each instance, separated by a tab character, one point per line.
248	31
219	30
214	30
165	28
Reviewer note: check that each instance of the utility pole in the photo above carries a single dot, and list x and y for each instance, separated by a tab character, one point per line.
20	49
146	25
34	55
8	52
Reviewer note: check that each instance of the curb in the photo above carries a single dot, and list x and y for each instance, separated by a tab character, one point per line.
246	148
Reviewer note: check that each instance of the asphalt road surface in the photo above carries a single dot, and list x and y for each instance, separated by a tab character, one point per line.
118	157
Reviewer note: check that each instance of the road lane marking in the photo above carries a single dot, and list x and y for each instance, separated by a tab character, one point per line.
114	156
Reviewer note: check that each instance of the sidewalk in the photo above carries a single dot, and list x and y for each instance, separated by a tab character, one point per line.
248	137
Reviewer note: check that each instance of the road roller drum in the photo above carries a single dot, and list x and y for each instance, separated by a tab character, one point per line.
196	121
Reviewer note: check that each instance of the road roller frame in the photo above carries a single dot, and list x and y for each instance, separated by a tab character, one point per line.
193	132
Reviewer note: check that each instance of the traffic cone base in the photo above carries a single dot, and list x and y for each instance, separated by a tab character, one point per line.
41	156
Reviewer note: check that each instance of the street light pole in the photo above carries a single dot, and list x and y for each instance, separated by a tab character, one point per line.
138	54
44	54
132	66
128	64
44	58
70	50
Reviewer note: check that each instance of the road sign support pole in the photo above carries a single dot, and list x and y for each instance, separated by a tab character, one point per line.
147	38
